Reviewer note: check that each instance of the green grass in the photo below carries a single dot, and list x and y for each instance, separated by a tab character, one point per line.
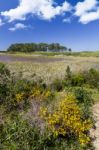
82	54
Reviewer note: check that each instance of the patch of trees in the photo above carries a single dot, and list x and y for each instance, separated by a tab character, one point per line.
32	47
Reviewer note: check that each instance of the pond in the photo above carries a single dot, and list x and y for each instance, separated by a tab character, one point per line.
35	59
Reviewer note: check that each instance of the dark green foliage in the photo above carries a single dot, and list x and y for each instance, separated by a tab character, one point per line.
4	79
73	79
92	77
68	73
77	80
68	76
57	85
18	134
4	70
32	47
84	100
83	96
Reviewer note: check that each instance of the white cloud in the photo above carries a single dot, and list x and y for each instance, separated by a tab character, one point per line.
18	26
45	9
85	6
87	10
88	17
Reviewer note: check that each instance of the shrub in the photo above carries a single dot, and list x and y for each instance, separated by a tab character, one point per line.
73	79
68	73
40	94
57	85
68	76
83	96
19	92
84	99
4	82
16	134
92	77
77	80
67	121
4	70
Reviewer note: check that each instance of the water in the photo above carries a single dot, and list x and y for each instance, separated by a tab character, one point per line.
36	59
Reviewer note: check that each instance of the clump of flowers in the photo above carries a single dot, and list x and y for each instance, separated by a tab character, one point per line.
19	97
67	120
40	94
36	92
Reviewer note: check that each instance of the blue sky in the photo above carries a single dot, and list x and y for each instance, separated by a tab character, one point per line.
73	23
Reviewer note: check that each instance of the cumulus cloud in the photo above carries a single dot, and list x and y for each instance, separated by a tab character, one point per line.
87	10
45	9
88	17
18	26
85	6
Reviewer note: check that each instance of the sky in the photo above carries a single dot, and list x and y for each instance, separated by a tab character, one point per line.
72	23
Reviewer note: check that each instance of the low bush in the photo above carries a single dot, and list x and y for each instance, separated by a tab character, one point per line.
92	78
18	134
77	80
57	85
66	120
4	80
83	96
84	100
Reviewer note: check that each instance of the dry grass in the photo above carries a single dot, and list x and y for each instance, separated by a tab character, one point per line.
51	70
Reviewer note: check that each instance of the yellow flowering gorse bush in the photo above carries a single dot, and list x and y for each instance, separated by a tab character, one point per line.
67	120
19	97
40	94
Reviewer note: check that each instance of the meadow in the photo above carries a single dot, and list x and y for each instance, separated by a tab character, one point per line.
46	101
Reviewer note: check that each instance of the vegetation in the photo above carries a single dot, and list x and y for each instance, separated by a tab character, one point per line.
66	121
35	115
41	47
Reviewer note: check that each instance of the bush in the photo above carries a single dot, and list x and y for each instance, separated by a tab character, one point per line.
67	121
84	99
77	80
4	70
16	134
68	76
73	79
57	85
4	82
83	96
92	78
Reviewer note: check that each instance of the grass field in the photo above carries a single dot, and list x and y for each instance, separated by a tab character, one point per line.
82	53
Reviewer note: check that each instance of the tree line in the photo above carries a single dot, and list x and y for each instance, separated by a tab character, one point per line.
32	47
